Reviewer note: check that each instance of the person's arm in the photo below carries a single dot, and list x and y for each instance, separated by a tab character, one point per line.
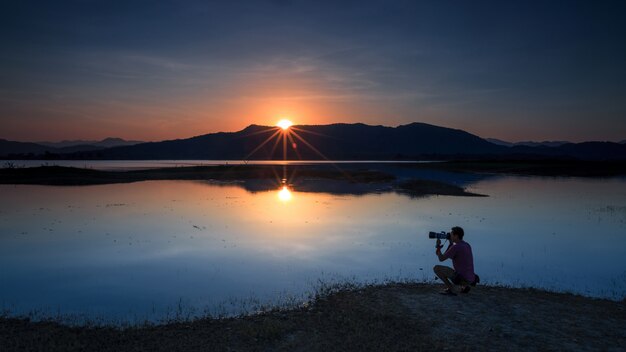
443	256
440	255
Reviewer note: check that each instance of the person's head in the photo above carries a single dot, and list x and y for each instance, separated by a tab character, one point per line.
456	235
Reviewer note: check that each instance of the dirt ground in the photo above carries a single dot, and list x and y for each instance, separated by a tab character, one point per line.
398	317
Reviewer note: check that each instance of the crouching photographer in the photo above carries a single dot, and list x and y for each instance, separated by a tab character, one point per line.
462	260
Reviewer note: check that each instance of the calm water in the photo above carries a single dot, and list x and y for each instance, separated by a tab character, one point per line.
152	250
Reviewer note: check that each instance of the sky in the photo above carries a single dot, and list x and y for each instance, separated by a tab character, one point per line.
155	70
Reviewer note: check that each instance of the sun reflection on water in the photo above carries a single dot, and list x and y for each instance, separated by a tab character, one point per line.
285	194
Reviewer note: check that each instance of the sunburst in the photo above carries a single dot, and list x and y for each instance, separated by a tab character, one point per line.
284	124
285	132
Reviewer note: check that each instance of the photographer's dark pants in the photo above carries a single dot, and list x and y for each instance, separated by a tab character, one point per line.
449	276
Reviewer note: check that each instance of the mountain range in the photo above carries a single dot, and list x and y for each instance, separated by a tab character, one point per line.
527	143
8	148
415	141
105	143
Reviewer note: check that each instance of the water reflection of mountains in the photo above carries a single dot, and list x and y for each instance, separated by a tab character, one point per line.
431	182
354	179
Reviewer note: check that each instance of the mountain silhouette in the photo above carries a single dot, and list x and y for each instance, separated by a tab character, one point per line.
415	141
527	143
584	151
105	143
11	147
8	148
335	142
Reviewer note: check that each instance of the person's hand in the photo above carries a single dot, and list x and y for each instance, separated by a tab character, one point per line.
438	245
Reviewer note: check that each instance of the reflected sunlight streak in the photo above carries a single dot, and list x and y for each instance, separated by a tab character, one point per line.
285	194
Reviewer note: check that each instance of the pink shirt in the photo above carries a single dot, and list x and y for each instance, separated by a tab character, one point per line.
462	259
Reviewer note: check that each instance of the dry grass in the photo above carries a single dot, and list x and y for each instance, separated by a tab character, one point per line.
393	317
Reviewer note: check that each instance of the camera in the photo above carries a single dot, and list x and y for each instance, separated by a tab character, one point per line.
439	235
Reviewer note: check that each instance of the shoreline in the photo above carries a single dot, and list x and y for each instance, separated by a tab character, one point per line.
551	168
523	167
383	182
392	317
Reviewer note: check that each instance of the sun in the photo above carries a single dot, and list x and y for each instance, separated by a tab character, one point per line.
284	124
284	194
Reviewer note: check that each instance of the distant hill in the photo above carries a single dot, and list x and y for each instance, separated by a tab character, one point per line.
105	143
8	148
20	148
77	148
585	151
527	143
11	147
499	142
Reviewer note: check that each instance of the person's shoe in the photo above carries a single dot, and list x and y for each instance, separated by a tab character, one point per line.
447	292
466	289
476	280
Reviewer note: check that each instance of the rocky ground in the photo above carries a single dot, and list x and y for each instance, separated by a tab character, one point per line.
396	317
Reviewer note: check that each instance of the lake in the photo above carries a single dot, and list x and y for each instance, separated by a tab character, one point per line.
158	250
